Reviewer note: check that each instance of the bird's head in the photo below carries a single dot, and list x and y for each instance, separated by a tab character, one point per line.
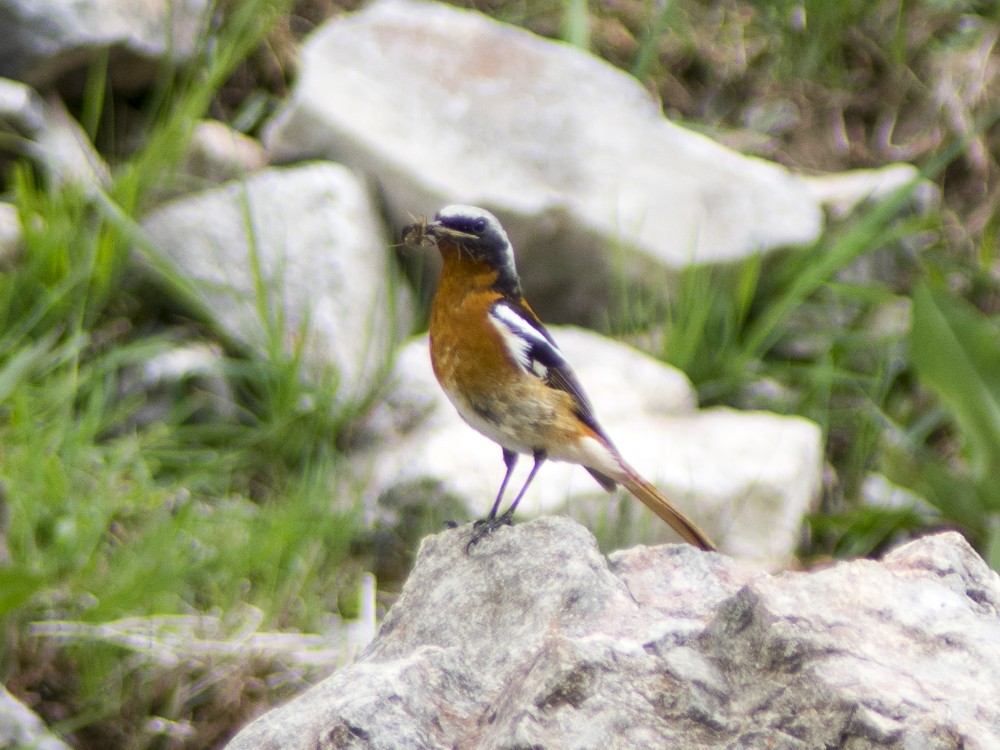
471	233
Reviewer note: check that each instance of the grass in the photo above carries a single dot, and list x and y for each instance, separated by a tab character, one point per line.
238	497
812	334
212	507
822	331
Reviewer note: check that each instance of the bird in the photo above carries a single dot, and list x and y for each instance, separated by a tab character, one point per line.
506	376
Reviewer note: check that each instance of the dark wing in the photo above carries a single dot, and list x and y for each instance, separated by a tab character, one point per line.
536	352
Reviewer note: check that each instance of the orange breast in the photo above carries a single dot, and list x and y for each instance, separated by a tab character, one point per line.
488	388
467	352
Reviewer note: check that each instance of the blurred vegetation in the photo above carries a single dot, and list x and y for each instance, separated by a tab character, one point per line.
848	332
885	333
225	499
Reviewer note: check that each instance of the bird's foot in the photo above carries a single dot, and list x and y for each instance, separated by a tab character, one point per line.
487	526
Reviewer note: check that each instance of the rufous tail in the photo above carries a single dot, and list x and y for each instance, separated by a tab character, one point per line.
657	502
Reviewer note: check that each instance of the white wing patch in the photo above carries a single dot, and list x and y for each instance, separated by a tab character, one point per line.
523	341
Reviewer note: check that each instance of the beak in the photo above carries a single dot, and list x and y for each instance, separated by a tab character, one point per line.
423	232
437	230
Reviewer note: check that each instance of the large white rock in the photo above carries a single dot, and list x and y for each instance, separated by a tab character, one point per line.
43	40
535	640
442	105
325	268
747	478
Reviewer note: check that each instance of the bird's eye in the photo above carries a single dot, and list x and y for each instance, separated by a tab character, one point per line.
479	225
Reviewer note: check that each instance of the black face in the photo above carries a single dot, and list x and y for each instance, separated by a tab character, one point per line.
479	234
486	240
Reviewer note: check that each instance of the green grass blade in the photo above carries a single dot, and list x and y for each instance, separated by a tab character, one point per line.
955	352
649	46
21	365
866	235
576	23
17	587
872	230
992	549
94	94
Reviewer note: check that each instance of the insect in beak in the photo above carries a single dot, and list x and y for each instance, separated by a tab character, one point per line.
416	233
422	232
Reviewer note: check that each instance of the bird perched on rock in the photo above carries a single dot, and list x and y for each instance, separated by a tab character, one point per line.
505	374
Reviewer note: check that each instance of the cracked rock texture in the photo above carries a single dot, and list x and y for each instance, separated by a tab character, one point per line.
536	640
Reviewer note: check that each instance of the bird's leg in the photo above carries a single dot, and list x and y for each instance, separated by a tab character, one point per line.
486	527
510	461
508	517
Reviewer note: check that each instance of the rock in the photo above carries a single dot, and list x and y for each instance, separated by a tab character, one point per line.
441	105
190	372
842	193
164	642
50	42
536	640
747	478
51	138
11	235
21	107
898	654
878	492
20	727
324	264
217	153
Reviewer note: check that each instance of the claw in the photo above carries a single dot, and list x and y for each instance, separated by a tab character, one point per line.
487	526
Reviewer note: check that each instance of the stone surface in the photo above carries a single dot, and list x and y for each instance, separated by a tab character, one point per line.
217	153
51	138
45	42
747	478
841	193
20	107
163	642
193	372
11	236
441	105
535	640
20	727
324	264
